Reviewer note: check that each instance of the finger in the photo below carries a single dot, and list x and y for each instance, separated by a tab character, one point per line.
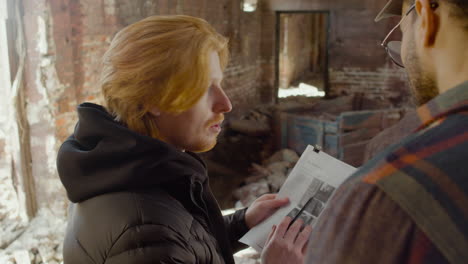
268	196
273	204
273	228
263	210
293	230
303	237
282	227
304	248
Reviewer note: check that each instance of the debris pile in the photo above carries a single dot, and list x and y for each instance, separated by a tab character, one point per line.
40	243
266	178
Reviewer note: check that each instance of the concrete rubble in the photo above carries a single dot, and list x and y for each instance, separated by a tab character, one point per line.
41	242
266	178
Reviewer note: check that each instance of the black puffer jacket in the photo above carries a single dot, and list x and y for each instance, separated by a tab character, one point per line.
136	199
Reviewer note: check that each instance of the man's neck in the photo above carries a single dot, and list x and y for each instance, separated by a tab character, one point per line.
451	79
452	62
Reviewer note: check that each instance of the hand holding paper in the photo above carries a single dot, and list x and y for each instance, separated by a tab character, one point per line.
309	187
263	208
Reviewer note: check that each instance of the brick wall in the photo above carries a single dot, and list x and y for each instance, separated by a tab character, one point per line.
357	62
385	83
95	22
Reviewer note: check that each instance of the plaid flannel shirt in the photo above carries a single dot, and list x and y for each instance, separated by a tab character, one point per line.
409	204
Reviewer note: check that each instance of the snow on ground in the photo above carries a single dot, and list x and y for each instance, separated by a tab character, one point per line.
302	90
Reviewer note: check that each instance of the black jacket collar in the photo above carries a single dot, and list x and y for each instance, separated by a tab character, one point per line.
105	156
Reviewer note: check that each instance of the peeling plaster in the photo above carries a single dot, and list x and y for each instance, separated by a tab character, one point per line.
50	144
47	80
35	110
42	113
51	79
42	45
109	7
5	83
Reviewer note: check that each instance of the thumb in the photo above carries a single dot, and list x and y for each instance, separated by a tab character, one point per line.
276	203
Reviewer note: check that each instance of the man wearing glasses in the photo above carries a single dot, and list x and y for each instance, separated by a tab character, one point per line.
409	204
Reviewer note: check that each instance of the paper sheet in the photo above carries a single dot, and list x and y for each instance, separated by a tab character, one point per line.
309	186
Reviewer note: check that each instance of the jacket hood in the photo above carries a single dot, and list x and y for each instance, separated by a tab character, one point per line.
104	156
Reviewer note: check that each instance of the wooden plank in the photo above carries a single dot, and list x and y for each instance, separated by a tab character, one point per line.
358	135
331	145
303	131
349	121
330	127
381	119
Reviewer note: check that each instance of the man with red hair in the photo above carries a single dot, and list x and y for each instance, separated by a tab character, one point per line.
139	192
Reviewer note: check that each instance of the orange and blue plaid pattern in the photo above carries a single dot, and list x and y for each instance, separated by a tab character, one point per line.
427	174
409	204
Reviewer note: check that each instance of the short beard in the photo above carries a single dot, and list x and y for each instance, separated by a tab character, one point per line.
204	147
423	86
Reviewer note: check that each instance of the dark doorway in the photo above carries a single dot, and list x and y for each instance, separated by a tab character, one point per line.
302	53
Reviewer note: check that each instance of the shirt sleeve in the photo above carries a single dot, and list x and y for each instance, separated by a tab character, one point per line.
362	225
236	228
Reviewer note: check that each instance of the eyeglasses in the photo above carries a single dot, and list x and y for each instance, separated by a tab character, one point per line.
393	48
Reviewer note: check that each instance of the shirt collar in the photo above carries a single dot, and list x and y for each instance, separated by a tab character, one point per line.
451	101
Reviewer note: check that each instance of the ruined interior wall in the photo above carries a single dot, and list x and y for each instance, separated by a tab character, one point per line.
357	62
43	87
296	47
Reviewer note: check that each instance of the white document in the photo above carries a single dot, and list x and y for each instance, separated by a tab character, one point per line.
309	186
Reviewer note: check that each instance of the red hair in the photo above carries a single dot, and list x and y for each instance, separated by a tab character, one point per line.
162	62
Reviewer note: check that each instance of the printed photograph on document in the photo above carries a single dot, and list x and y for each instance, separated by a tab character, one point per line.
325	192
312	202
305	216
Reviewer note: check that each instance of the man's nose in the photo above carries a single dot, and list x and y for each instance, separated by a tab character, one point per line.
223	104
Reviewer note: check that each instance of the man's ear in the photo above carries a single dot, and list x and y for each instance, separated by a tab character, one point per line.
430	22
155	111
